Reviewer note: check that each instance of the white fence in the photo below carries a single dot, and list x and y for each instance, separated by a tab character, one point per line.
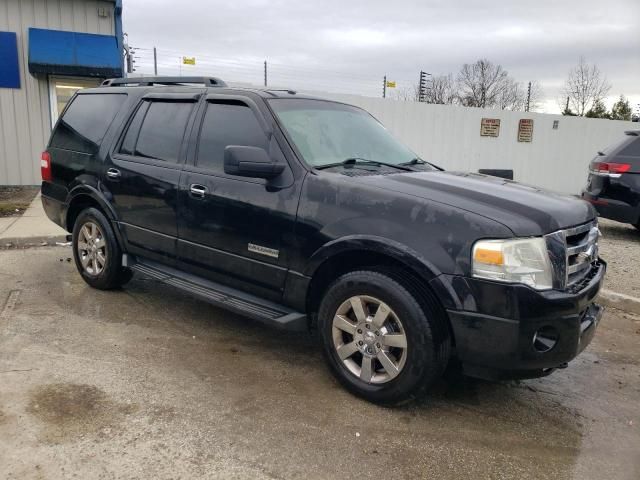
449	136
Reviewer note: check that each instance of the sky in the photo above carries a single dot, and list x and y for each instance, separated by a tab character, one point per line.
349	45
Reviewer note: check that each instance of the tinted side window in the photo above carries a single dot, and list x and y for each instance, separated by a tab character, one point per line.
129	143
227	124
162	130
632	149
85	122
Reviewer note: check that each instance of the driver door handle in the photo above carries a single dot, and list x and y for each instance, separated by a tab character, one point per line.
113	174
198	191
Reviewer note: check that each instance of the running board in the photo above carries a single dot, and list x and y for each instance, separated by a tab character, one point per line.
228	298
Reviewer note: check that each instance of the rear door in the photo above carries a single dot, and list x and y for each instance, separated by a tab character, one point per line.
233	229
143	173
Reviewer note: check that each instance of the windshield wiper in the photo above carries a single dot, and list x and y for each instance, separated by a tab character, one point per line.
363	161
419	161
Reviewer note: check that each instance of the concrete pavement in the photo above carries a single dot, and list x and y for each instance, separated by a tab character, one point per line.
145	382
32	228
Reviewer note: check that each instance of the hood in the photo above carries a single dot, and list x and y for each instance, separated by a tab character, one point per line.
525	210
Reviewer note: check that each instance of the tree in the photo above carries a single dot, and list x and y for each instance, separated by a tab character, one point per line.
621	110
488	85
584	86
512	96
482	83
442	90
598	110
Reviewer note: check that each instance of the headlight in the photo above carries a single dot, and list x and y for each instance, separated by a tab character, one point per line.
514	260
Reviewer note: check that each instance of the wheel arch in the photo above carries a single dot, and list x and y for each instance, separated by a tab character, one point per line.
87	196
380	254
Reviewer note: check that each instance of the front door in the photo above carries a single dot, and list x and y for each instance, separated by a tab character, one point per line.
144	172
233	229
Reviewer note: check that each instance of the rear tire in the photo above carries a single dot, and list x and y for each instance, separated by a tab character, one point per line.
96	252
388	358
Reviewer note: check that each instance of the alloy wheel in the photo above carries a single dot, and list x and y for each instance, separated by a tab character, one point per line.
92	249
369	339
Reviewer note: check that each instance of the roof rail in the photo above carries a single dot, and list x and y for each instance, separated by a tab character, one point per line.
149	81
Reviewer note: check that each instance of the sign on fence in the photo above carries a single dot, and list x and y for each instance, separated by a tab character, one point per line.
490	127
525	130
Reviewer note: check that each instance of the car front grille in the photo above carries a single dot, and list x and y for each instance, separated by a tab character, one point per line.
574	253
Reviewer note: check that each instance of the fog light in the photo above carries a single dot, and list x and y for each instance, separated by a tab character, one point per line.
545	339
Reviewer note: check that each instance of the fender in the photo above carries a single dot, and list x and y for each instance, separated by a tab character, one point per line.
385	246
86	189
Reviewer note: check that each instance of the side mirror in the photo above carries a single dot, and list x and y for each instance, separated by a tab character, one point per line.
253	162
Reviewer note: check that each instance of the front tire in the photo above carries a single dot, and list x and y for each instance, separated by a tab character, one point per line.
96	251
381	341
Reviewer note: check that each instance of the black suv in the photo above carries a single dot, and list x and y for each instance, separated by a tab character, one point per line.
307	214
613	186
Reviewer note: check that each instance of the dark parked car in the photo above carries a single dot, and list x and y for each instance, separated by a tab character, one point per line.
613	186
307	214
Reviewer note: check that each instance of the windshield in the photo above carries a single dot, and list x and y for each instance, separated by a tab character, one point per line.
329	133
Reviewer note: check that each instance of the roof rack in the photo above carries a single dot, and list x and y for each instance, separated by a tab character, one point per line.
150	81
288	90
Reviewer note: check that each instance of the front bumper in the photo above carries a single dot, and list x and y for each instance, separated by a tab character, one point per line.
495	324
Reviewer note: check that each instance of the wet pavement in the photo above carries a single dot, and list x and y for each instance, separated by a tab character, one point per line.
148	383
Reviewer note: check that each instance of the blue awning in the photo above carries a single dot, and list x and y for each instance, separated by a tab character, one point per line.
71	53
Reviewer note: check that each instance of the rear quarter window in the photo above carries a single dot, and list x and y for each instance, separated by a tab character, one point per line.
625	146
86	121
631	149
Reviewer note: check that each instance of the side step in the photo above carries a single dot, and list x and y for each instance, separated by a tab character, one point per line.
228	298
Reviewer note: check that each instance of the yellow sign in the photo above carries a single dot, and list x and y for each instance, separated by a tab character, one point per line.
391	84
189	60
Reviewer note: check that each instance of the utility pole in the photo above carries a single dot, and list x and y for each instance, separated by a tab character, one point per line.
528	97
128	59
265	73
384	87
155	61
422	86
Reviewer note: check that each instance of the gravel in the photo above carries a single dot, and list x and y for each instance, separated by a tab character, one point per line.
620	248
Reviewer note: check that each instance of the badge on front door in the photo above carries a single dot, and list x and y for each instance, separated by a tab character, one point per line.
269	252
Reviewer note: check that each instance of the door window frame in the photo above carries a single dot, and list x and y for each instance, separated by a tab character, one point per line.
156	97
192	154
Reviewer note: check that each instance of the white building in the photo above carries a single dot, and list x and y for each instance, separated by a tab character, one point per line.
48	50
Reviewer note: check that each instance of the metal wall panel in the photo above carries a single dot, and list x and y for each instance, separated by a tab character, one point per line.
24	113
449	136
